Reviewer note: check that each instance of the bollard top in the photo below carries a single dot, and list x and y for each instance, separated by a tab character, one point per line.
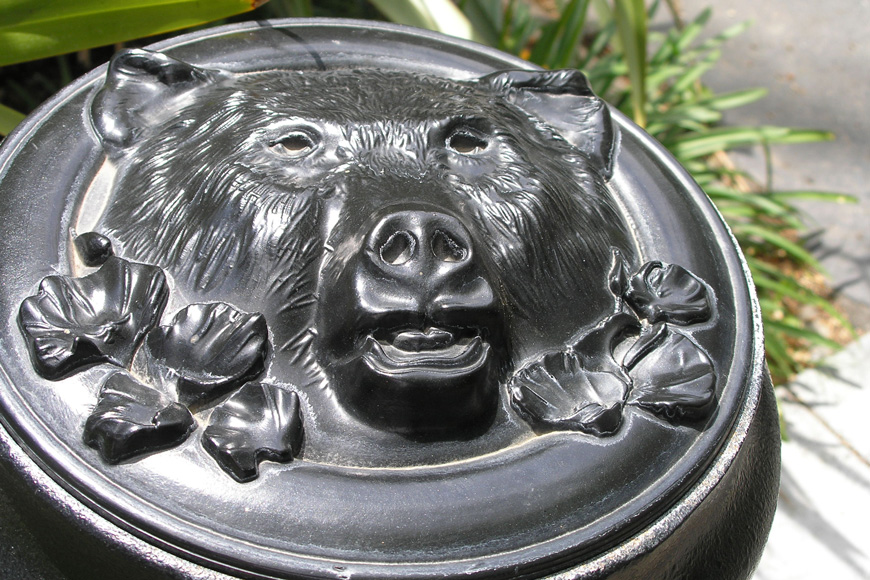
334	299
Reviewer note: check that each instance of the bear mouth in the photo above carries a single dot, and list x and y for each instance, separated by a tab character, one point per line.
433	351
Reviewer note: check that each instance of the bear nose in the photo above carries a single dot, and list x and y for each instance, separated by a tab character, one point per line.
419	243
421	264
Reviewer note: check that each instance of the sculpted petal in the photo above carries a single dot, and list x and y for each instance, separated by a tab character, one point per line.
209	350
674	378
75	322
257	423
131	419
669	293
557	393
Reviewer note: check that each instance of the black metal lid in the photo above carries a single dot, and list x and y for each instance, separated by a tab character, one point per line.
455	321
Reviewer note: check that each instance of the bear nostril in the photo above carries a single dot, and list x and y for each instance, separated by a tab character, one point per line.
398	249
447	248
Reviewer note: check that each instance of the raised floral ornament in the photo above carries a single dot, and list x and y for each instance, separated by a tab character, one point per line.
206	351
587	386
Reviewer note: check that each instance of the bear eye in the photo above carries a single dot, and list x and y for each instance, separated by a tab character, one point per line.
295	144
466	142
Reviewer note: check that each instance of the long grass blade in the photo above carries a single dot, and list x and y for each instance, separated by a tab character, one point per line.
799	293
485	18
769	205
723	139
781	363
557	45
688	35
574	17
9	119
826	196
768	277
802	333
778	241
31	29
438	15
631	26
734	99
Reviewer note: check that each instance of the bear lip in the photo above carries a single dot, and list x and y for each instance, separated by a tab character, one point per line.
433	350
415	340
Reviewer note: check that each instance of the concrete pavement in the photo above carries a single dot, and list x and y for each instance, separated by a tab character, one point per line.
814	59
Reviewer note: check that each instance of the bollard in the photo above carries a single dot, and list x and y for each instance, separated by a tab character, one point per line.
340	299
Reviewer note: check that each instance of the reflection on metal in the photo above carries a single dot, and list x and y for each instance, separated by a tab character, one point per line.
390	297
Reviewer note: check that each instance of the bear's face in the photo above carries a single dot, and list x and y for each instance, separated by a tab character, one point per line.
409	239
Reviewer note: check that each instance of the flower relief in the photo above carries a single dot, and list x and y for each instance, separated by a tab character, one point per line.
208	351
587	386
210	356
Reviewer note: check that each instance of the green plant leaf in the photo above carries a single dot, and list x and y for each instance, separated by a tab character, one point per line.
768	205
34	29
802	333
771	237
692	30
780	361
599	43
734	99
9	119
691	74
438	15
661	73
771	279
557	46
719	39
631	25
574	17
291	9
487	20
827	196
723	139
691	112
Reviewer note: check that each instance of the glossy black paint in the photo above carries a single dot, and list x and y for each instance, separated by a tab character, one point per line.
93	248
259	422
73	323
410	330
394	293
131	419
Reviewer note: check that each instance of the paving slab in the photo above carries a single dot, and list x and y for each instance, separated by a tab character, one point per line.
820	528
813	59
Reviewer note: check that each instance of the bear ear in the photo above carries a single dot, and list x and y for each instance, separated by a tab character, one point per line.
142	89
564	100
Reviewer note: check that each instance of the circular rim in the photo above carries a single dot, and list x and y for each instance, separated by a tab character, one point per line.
640	543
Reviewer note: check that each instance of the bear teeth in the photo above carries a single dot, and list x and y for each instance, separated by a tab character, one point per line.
429	339
463	356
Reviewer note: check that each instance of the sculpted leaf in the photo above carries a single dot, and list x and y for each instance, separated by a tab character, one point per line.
131	419
557	393
671	375
210	349
257	423
668	293
74	322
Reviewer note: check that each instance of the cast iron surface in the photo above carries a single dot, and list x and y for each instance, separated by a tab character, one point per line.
324	298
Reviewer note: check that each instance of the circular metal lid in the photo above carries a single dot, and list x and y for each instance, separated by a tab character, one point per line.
313	298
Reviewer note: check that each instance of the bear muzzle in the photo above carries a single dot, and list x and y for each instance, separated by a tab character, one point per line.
412	331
